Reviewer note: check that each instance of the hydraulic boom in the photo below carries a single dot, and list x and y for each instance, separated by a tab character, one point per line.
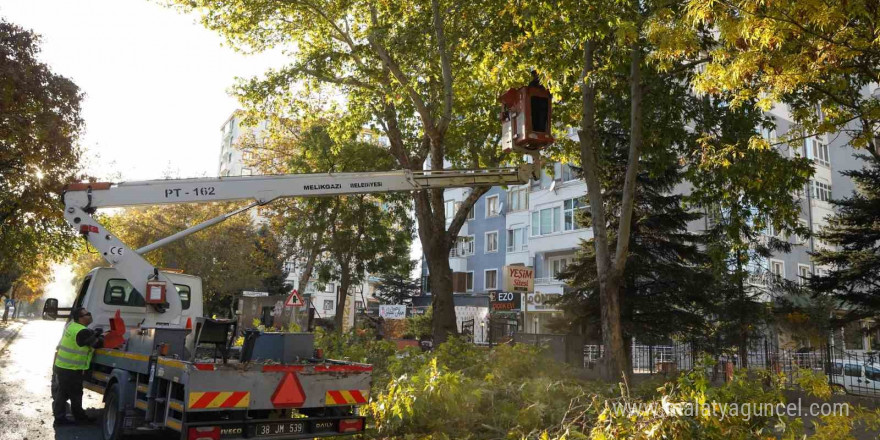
82	199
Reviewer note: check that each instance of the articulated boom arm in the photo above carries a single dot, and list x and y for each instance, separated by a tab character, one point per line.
81	200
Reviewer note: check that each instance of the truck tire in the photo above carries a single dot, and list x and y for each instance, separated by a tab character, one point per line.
113	415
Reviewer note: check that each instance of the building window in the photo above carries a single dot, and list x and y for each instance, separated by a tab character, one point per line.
567	172
769	134
777	268
714	216
769	230
546	221
449	209
492	207
557	266
469	283
571	208
328	304
289	266
464	247
821	191
803	273
491	279
330	288
470	214
492	241
517	239
518	199
819	152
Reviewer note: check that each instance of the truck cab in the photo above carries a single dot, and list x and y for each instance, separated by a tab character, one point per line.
104	291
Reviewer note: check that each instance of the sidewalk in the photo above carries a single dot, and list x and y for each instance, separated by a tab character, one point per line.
8	331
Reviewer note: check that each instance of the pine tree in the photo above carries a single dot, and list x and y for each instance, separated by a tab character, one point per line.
666	286
742	312
854	229
396	288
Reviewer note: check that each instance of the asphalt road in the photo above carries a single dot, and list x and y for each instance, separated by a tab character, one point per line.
25	394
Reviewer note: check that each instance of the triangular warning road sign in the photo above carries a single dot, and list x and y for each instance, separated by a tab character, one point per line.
294	300
289	392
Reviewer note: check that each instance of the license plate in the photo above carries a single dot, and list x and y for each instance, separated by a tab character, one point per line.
279	428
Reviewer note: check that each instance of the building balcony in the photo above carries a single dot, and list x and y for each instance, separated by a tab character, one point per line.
458	264
558	240
548	281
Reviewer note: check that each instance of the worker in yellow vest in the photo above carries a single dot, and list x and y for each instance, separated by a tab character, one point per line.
72	359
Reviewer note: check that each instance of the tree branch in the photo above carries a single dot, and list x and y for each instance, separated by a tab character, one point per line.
589	159
461	215
343	81
445	65
632	166
421	107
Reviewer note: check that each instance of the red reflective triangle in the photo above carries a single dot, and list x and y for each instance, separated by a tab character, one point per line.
289	392
294	300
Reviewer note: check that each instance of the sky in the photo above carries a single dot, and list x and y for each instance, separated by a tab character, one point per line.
156	87
155	82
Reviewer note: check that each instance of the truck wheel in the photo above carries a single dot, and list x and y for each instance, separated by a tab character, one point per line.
111	419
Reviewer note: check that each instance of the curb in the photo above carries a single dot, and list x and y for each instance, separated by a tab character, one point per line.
8	341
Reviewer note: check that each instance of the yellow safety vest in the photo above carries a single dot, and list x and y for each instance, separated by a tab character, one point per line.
71	356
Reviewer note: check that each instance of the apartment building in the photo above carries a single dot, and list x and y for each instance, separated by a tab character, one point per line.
233	161
531	225
535	225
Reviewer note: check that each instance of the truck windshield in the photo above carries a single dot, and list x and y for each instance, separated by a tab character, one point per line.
119	292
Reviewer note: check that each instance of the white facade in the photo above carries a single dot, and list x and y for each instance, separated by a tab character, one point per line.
233	161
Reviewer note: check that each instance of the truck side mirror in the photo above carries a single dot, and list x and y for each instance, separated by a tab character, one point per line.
51	311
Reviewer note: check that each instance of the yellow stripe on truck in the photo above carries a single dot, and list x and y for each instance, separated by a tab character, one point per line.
218	399
346	397
122	354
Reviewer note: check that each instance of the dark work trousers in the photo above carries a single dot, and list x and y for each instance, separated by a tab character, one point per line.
68	385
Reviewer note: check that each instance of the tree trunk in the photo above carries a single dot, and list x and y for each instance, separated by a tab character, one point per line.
306	274
743	322
614	359
436	243
304	278
444	322
614	365
341	295
5	306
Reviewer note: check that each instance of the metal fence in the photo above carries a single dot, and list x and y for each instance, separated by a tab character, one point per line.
856	373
